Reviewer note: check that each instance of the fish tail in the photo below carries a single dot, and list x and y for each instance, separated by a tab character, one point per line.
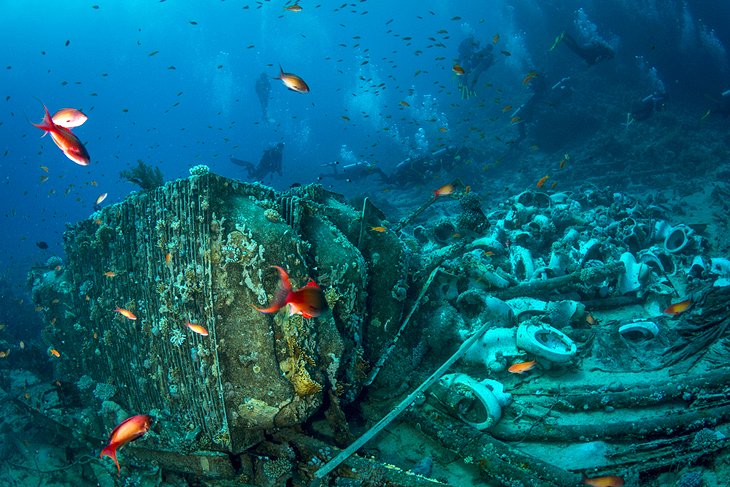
111	451
282	294
47	124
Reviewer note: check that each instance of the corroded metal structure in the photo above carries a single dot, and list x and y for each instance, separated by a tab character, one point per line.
199	250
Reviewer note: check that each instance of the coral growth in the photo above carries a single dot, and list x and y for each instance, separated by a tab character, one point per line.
143	175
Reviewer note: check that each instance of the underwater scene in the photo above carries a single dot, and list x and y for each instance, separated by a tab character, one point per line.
366	243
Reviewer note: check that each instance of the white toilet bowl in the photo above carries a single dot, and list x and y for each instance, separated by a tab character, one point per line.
545	342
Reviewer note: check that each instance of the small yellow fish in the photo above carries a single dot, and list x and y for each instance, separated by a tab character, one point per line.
542	181
378	229
515	120
54	352
45	168
5	353
495	39
405	104
294	8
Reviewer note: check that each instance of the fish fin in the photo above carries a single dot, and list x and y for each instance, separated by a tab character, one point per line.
282	294
47	124
311	283
111	451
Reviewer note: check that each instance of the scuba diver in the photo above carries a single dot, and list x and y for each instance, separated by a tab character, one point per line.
595	51
269	164
647	106
425	167
474	61
354	171
263	88
543	96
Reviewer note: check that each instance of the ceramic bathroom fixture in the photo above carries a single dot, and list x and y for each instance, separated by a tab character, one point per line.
677	238
720	266
635	275
658	260
534	199
698	267
494	349
639	331
523	267
545	342
460	392
475	303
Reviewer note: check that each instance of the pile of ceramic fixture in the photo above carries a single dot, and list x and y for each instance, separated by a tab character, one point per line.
540	237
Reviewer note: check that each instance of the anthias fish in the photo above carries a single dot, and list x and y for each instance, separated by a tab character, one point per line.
199	329
308	301
126	313
522	367
606	481
69	144
444	190
678	308
292	81
69	118
128	430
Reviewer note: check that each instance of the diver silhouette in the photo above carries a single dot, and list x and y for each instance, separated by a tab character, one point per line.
353	172
595	51
475	61
270	163
263	88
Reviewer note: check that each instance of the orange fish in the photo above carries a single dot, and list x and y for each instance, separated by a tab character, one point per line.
444	190
443	129
126	313
506	108
522	367
168	258
54	352
678	308
515	120
564	161
110	274
526	80
128	430
293	8
292	81
591	320
378	229
456	68
69	144
542	181
200	330
69	118
607	481
308	301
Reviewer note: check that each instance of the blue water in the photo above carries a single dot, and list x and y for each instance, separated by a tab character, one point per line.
106	68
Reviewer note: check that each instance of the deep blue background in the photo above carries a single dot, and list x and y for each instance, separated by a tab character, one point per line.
106	69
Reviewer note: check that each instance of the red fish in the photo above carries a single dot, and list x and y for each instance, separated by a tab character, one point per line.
607	481
292	81
522	367
444	190
678	308
65	140
69	118
128	430
308	301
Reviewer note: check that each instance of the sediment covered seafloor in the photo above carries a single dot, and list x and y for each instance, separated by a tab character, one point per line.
599	326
